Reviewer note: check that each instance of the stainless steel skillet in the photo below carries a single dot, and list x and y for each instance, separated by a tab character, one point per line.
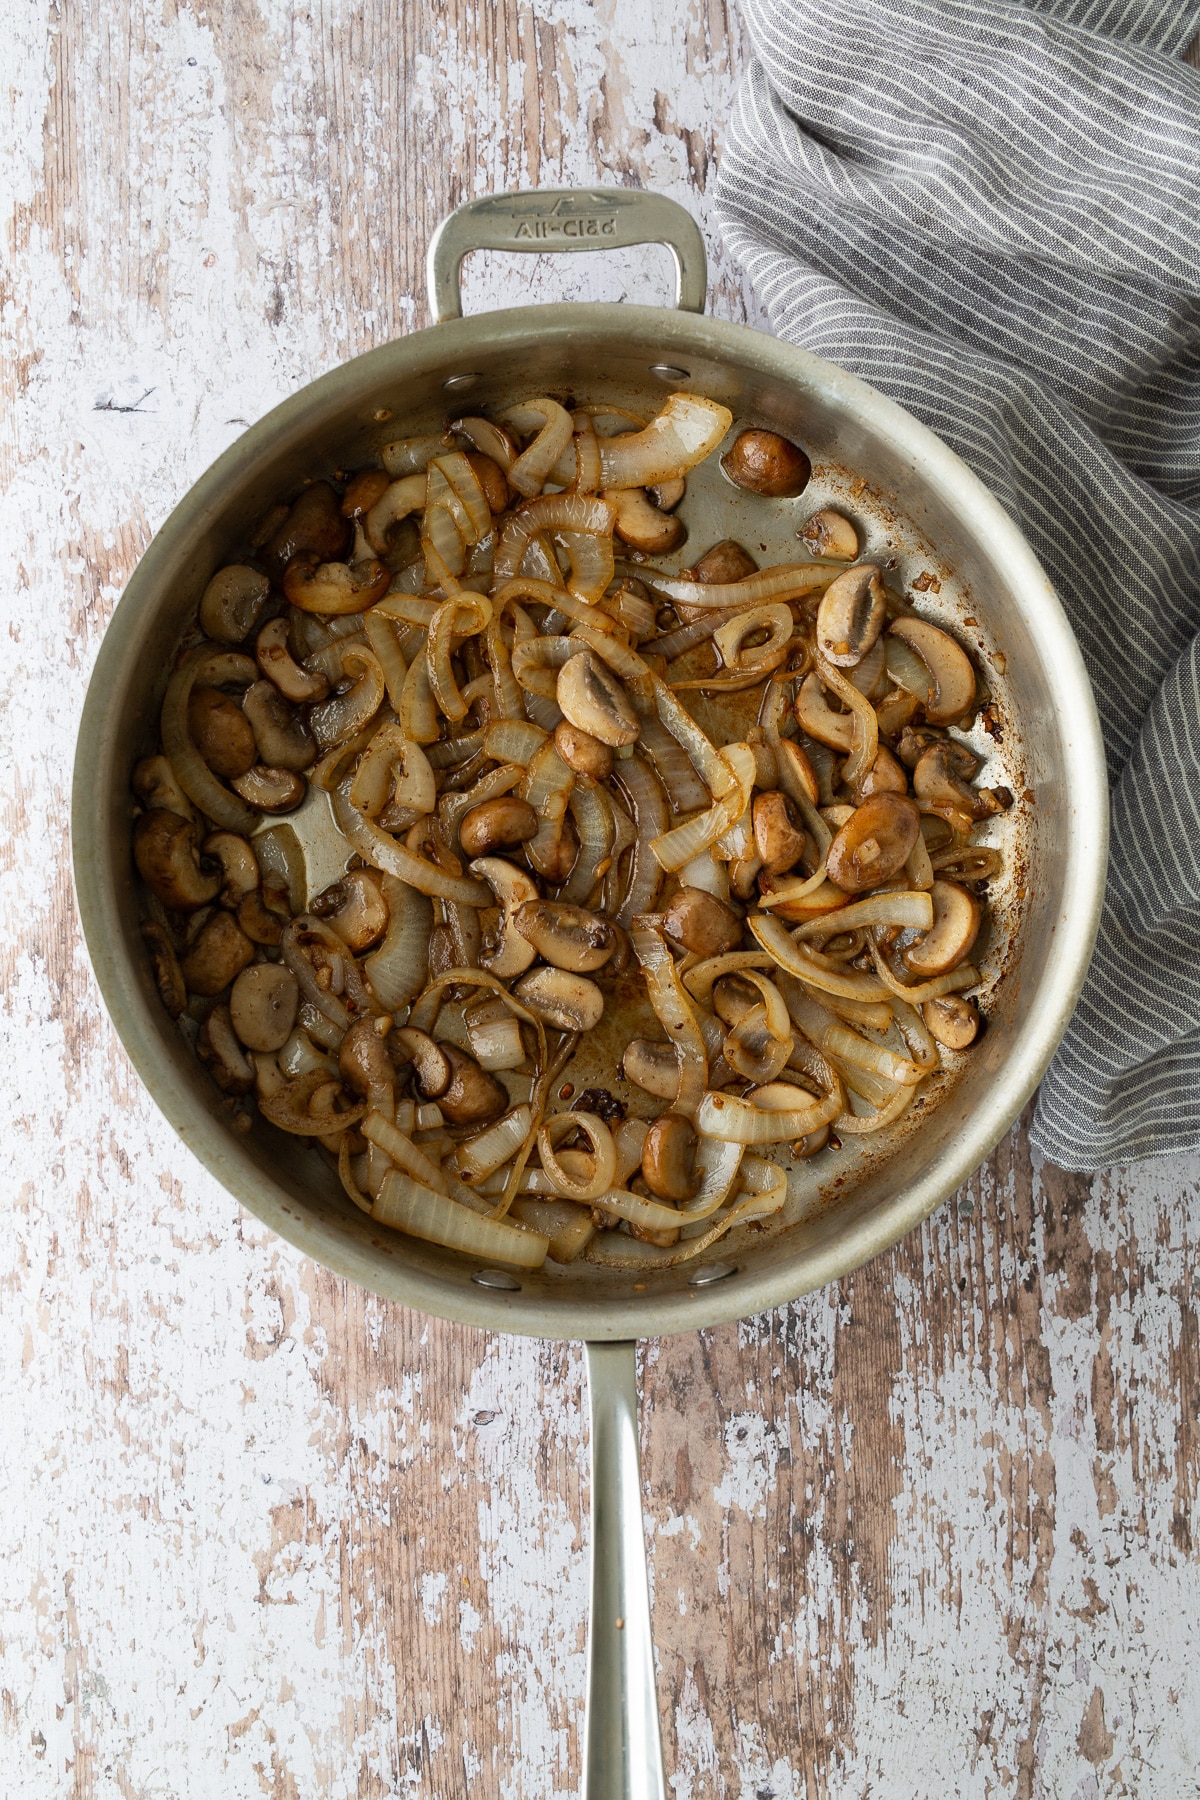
924	502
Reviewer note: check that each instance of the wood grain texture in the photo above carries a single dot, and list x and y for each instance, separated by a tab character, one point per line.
931	1531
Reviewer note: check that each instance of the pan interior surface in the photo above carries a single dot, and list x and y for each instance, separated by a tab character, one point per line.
916	506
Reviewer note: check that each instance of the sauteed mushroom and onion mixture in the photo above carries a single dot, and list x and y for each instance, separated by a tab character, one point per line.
560	782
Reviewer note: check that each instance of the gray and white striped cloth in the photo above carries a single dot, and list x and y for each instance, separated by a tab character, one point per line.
992	213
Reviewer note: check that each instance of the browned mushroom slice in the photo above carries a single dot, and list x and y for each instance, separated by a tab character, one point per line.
363	1060
726	562
164	849
639	523
314	526
952	679
263	1006
221	732
271	790
280	668
956	918
666	495
569	937
239	865
367	488
778	833
232	602
472	1096
282	738
874	842
168	976
885	775
498	824
216	956
157	786
939	785
355	908
669	1156
260	924
568	1002
851	616
333	588
431	1066
492	480
591	698
582	752
815	716
952	1020
765	463
652	1067
222	1055
829	534
702	923
505	952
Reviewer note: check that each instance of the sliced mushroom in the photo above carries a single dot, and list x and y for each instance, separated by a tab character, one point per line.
885	776
431	1065
472	1097
168	976
652	1067
164	849
951	676
830	534
218	1049
217	955
498	824
239	865
778	834
260	924
727	561
263	1005
702	923
874	842
952	1020
796	772
220	731
271	790
356	908
567	936
915	740
335	588
363	1060
283	739
568	1002
157	786
506	953
956	917
590	696
279	667
669	1157
232	602
639	523
851	617
939	786
582	752
314	526
815	716
365	491
765	463
666	495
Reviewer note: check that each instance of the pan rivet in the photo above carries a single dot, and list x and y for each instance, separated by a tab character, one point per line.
668	372
455	384
714	1272
497	1278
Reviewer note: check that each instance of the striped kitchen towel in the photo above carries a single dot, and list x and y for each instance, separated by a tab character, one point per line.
992	213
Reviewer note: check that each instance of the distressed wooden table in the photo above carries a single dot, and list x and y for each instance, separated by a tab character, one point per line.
929	1532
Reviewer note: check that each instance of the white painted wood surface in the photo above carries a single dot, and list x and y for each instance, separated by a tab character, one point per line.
931	1532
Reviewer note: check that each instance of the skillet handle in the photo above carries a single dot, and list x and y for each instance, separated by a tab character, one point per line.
622	1750
553	219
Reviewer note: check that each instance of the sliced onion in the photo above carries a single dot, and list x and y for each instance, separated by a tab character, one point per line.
379	1130
865	740
903	907
382	851
346	1175
585	523
288	1109
487	438
787	581
759	1119
554	425
706	873
953	982
715	1167
407	609
685	790
681	435
397	970
860	1124
195	777
768	1193
553	595
730	638
413	455
455	618
675	848
464	483
536	662
918	1040
592	813
546	786
651	1215
604	1155
340	717
513	741
279	853
838	1040
292	950
417	711
588	475
644	797
907	670
704	756
675	1013
410	1206
381	636
808	966
479	1156
702	977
